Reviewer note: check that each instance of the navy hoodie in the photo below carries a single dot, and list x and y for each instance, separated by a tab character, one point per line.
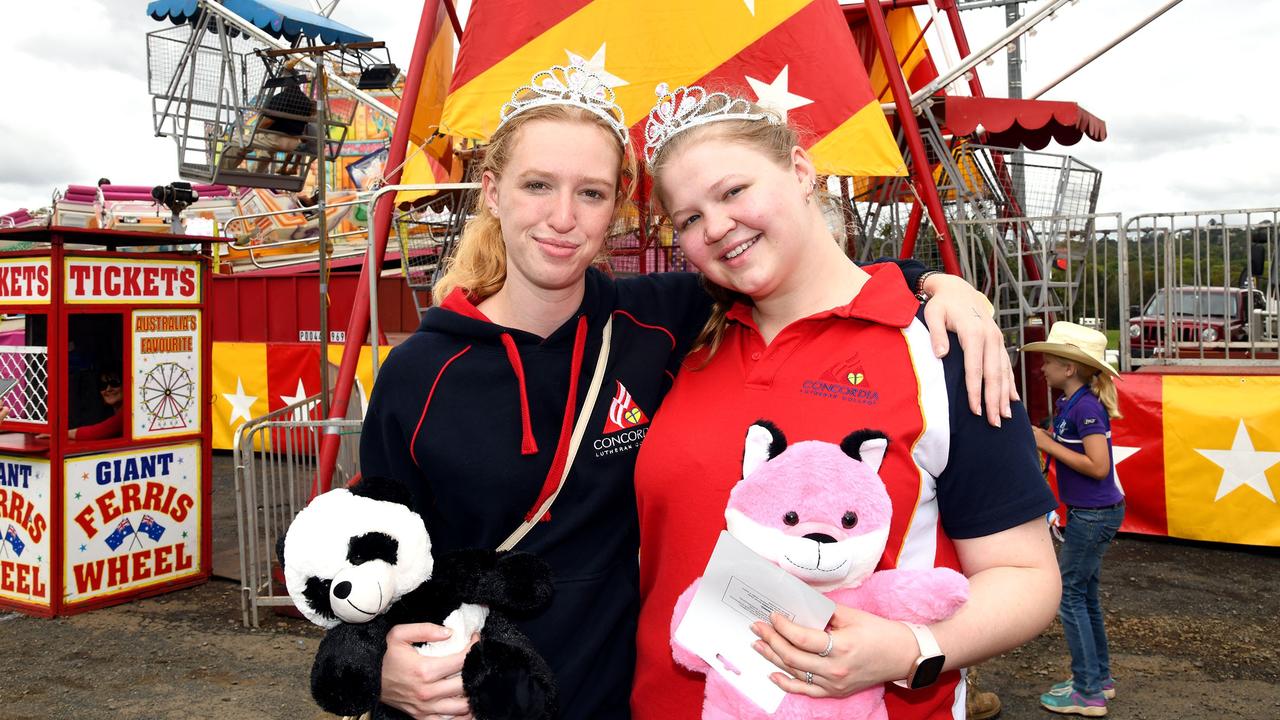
475	418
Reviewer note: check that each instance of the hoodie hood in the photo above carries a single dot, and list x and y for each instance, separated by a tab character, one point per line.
458	316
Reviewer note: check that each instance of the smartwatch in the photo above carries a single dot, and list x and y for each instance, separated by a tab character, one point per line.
928	665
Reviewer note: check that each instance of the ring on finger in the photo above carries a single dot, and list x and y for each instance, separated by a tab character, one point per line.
831	641
808	677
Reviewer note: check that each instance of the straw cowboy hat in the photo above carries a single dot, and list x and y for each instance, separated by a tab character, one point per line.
1075	342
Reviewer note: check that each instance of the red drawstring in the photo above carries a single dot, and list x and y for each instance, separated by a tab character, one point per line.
528	446
566	427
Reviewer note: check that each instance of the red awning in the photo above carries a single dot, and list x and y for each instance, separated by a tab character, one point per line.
1013	123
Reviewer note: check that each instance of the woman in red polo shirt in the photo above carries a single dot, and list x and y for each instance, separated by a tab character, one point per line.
805	338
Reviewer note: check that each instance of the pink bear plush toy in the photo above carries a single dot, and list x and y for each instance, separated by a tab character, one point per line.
821	512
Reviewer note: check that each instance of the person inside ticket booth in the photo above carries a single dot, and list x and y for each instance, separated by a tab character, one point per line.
111	389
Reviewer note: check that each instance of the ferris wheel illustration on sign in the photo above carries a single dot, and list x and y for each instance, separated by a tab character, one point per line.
167	392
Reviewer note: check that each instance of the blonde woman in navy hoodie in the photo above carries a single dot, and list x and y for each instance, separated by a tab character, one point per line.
476	410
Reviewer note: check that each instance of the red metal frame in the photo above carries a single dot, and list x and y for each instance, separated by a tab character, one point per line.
57	332
358	324
925	187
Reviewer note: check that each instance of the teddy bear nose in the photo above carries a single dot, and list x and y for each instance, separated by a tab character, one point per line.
342	590
820	537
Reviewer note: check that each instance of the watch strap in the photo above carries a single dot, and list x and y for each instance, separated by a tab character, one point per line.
925	639
929	649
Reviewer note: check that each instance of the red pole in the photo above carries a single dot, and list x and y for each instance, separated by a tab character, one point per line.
358	323
912	231
962	43
925	186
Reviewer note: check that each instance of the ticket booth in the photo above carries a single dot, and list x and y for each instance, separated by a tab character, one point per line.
104	451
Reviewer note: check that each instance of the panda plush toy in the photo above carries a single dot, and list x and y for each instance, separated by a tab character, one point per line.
358	561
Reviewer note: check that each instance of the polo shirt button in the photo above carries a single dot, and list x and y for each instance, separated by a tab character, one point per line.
755	356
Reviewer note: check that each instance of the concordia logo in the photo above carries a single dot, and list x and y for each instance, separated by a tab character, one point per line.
622	429
844	381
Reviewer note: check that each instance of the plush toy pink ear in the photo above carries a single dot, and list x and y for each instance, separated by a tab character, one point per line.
764	442
867	446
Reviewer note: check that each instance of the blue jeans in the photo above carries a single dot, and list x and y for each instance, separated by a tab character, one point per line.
1085	541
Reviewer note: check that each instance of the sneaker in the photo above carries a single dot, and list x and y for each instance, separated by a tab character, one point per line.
1075	703
1066	686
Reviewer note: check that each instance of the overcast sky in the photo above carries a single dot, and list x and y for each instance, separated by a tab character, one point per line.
1191	109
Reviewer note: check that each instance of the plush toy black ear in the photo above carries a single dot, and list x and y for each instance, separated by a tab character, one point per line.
380	488
764	442
866	446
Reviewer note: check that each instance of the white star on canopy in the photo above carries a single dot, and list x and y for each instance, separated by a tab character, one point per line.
751	6
1242	465
1120	453
303	412
596	66
775	95
241	404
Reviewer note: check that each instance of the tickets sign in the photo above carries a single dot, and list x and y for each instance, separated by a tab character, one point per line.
24	525
25	280
166	372
132	519
128	280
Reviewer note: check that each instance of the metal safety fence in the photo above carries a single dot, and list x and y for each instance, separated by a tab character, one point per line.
27	396
275	476
1040	269
1204	288
1037	270
1199	288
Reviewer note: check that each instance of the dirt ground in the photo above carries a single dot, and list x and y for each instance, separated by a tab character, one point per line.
1192	631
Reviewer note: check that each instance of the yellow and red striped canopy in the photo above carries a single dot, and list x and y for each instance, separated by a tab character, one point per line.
794	55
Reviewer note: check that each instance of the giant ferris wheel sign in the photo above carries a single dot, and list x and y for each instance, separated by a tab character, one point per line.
166	372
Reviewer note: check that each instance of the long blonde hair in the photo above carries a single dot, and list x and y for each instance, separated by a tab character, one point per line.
1100	384
1104	387
774	139
478	263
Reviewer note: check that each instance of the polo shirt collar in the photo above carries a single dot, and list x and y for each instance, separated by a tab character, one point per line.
884	300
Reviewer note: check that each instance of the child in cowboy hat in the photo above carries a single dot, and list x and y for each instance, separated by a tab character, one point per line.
1080	446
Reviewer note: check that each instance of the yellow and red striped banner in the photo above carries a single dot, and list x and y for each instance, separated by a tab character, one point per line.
1198	456
908	45
252	379
433	163
794	55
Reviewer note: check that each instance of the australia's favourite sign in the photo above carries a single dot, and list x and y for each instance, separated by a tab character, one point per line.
132	519
166	372
24	530
128	280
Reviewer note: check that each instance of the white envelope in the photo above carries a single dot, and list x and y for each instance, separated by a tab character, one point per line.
737	589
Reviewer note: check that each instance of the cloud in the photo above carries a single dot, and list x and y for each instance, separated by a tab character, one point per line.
89	34
29	158
1148	135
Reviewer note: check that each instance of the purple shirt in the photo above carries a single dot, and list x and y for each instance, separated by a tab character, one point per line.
1074	418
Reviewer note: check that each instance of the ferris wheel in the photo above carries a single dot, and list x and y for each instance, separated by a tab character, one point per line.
167	391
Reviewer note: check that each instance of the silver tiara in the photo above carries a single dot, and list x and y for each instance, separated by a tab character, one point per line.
573	85
688	107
